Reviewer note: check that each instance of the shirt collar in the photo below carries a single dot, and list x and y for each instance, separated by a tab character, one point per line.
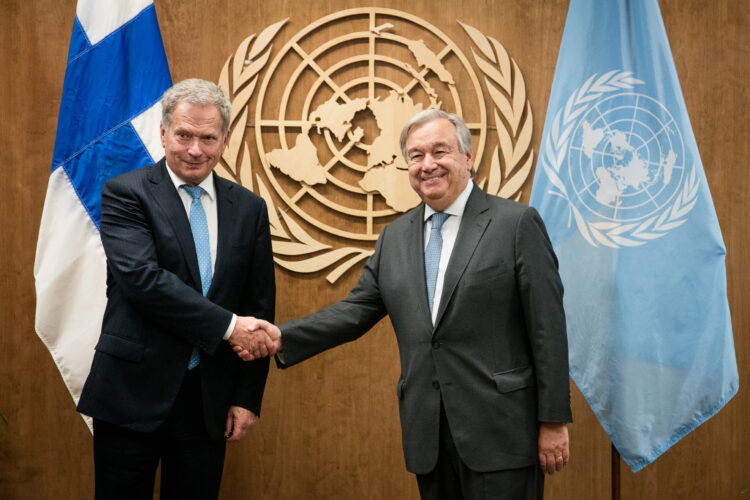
207	184
457	207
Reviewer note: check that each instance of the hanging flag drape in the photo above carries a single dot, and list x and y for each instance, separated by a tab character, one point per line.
108	124
621	187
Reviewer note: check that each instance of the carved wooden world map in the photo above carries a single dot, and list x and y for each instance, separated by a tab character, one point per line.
326	119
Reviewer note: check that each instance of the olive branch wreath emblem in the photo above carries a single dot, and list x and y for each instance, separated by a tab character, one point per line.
608	233
509	169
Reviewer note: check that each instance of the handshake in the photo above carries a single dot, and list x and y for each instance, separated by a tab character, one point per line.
254	338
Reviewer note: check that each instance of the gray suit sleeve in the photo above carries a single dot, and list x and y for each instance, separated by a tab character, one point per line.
541	293
338	323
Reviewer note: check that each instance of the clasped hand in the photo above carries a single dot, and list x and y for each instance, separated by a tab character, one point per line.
254	338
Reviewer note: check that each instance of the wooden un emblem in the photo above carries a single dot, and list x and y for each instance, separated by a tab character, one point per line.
326	121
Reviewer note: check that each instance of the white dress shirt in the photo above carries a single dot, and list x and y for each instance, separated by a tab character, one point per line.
449	231
208	200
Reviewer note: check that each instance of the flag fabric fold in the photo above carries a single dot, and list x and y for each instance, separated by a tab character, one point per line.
108	124
621	188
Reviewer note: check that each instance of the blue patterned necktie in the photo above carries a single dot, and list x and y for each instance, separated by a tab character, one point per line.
199	227
432	254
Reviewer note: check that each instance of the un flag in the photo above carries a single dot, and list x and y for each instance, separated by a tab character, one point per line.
621	188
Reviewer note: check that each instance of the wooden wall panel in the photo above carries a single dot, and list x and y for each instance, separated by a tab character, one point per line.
44	449
329	428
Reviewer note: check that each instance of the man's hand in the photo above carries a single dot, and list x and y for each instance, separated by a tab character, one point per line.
554	446
249	340
239	420
272	334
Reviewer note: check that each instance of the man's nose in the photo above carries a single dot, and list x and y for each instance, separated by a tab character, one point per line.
429	162
194	147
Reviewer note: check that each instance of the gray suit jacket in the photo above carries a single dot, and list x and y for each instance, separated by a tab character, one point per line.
497	354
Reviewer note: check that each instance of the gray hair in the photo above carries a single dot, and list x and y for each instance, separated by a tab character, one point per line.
195	91
462	131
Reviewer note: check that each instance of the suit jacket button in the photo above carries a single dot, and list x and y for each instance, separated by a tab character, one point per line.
436	345
436	384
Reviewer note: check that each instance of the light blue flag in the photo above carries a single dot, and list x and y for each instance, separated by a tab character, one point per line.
621	188
108	124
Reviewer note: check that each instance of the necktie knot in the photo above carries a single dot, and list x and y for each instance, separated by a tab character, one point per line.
438	218
195	192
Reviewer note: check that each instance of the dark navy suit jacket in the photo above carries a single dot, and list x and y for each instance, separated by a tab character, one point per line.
156	313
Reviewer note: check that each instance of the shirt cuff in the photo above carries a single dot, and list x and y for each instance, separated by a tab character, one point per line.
230	328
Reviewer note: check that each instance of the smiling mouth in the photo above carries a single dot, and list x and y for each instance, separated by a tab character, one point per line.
433	178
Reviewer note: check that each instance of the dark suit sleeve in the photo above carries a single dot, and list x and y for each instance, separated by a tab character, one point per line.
338	323
129	243
541	293
259	300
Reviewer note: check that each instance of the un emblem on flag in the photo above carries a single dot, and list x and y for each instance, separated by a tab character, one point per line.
618	158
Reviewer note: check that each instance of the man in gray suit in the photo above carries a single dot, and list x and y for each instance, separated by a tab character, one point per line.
471	285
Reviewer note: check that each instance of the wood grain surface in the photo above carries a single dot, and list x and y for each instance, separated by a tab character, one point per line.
329	427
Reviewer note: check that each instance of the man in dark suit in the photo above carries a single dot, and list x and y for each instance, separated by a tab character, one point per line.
189	261
470	283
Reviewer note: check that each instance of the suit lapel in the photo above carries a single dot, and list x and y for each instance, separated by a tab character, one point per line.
225	214
170	203
473	224
414	240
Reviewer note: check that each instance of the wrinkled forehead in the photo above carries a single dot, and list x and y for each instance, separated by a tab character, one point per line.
437	132
200	116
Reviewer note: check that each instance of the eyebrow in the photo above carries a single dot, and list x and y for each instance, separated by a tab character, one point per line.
440	144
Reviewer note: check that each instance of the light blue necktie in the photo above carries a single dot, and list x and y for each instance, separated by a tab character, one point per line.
199	226
432	254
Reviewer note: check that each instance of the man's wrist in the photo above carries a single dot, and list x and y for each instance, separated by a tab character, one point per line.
230	328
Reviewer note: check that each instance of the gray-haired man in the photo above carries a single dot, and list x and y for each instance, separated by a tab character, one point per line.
188	261
471	286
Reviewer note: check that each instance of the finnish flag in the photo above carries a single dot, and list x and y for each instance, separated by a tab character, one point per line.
108	124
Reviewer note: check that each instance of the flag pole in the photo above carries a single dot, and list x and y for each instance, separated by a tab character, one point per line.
615	473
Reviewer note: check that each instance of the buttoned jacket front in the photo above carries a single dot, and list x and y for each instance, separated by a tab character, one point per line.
497	353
